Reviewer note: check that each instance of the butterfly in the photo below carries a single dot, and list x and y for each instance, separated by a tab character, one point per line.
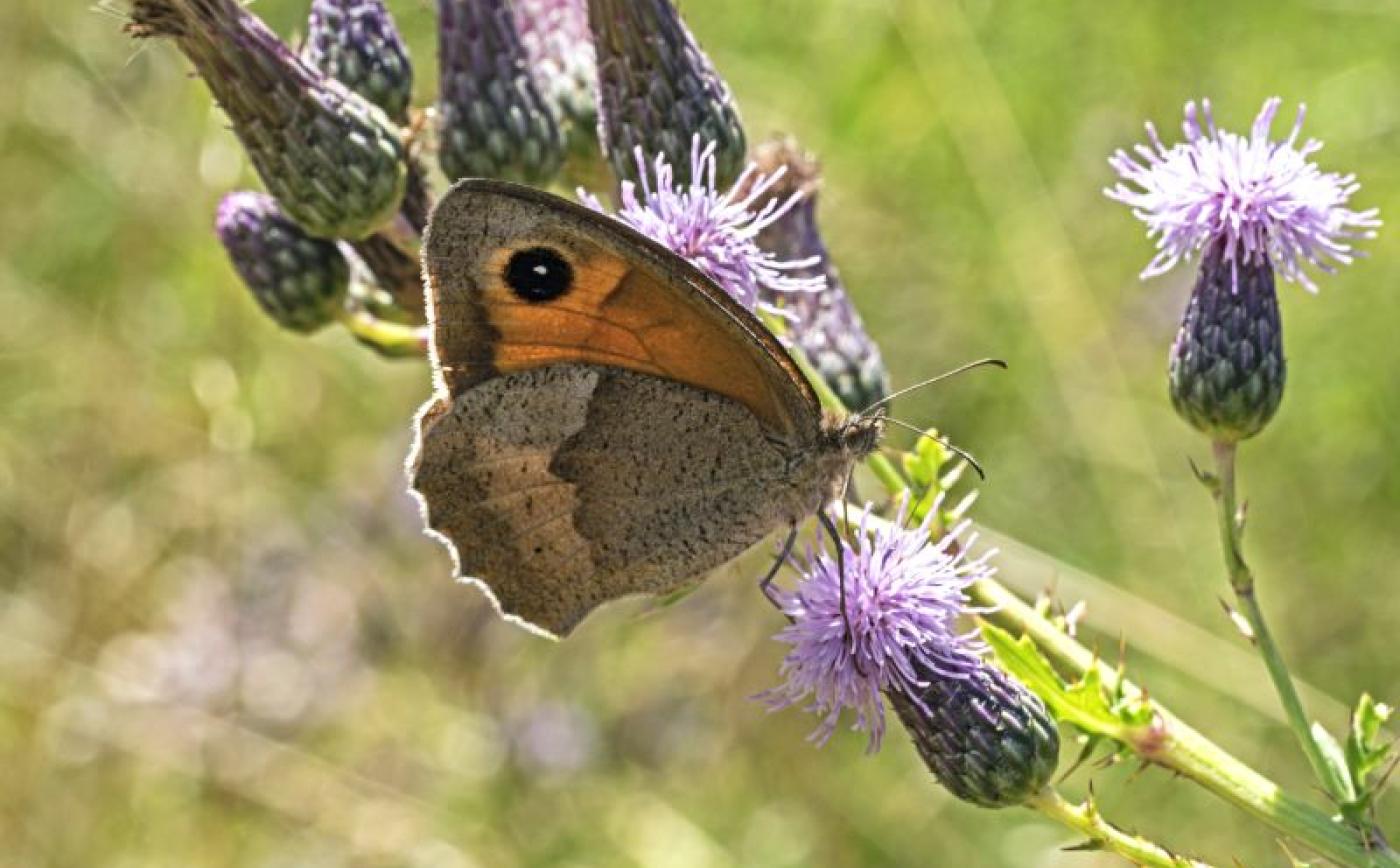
606	420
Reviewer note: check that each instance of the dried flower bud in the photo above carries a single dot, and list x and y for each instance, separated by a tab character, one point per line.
333	161
986	738
826	326
1227	368
357	43
657	91
493	122
298	280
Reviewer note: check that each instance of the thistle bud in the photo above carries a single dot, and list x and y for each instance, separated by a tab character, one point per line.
1227	367
560	50
987	739
826	327
357	43
657	90
493	122
298	280
334	162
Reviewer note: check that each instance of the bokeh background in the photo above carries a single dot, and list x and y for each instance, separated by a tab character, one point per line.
223	640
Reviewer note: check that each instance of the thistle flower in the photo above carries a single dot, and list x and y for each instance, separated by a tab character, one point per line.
297	280
903	595
1248	206
493	122
984	736
826	326
357	43
559	46
657	90
715	231
334	161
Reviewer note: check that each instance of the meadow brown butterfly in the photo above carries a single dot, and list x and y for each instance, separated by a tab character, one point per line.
606	420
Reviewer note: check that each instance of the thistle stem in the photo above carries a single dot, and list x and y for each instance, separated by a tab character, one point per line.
391	339
1231	522
1103	835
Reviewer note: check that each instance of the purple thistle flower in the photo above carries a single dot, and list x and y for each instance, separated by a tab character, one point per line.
717	232
904	593
1264	200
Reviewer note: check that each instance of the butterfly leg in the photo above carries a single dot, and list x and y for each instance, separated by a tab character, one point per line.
766	583
829	526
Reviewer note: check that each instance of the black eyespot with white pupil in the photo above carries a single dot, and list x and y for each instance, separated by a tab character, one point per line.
539	274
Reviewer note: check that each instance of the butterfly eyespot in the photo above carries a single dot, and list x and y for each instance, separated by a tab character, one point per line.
539	274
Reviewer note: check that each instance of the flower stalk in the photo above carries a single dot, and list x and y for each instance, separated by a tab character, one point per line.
1103	835
1231	523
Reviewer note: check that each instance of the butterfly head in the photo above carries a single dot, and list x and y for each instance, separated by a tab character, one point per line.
858	434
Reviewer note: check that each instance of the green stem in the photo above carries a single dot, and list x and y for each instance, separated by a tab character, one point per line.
391	339
1103	835
1242	583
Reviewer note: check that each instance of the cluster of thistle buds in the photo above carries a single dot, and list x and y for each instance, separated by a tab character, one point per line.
557	92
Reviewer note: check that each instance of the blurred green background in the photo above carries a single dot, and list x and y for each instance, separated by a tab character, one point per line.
224	641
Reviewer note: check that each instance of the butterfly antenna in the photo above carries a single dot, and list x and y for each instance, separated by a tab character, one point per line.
980	363
951	447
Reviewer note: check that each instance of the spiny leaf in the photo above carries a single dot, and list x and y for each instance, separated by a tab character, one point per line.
1084	704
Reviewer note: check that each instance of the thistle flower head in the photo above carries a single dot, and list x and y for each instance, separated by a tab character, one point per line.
657	89
717	232
1264	200
297	280
334	161
559	45
492	120
357	43
903	594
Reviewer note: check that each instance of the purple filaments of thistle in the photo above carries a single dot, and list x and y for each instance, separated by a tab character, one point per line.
1266	201
903	594
717	232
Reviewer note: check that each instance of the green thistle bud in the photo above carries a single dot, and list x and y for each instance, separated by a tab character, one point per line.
493	122
1227	368
986	738
298	280
357	43
333	161
827	328
657	90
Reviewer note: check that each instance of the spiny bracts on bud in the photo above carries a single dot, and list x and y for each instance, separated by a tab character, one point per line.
987	739
825	325
1227	367
357	43
492	120
300	281
334	161
657	90
560	51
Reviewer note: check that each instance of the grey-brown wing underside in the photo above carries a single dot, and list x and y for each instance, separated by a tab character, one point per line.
564	487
